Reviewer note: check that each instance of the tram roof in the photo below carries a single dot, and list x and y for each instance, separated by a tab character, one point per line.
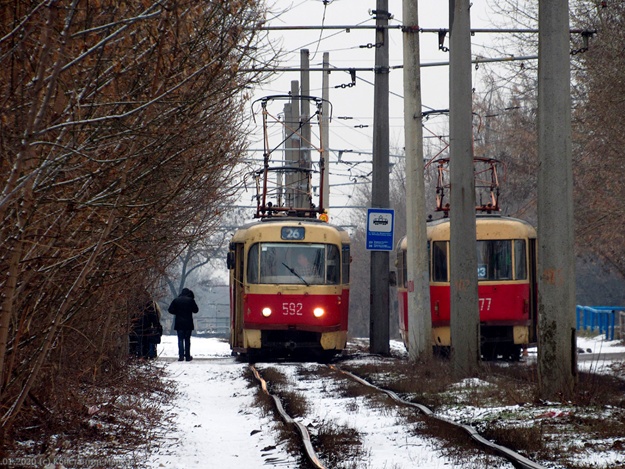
493	226
279	222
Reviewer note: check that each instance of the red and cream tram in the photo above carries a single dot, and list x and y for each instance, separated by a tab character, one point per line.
506	271
289	292
289	271
506	253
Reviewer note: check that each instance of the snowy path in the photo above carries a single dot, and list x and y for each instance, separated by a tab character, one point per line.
217	425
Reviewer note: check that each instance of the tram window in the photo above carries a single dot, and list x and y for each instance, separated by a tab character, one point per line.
346	261
334	262
494	259
520	263
439	261
402	268
308	261
429	253
502	252
252	264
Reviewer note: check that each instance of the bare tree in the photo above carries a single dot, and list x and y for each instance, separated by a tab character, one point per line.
195	256
120	126
597	76
600	138
505	129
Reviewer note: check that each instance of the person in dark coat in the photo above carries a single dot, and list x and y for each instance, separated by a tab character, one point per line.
146	329
154	330
183	307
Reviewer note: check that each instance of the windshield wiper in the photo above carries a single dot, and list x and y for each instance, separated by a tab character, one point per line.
296	274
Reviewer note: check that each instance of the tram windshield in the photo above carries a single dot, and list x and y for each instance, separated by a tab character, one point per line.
495	259
293	263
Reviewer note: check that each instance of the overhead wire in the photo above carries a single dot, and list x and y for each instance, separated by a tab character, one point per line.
321	38
353	172
323	20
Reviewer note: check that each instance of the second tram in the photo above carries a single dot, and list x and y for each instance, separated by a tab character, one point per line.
506	254
506	270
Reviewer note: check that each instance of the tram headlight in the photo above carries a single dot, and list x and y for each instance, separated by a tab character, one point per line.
318	312
266	312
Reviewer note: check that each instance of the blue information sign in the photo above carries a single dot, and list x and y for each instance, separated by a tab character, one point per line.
380	226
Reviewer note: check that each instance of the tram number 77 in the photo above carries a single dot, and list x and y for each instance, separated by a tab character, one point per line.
292	309
485	304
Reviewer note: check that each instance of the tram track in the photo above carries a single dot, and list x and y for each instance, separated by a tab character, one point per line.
311	455
314	455
518	460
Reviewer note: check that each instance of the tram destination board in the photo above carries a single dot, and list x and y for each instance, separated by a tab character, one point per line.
380	226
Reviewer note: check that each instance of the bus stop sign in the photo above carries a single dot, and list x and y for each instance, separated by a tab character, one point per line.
380	226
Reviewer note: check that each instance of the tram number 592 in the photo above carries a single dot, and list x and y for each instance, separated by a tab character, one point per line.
292	309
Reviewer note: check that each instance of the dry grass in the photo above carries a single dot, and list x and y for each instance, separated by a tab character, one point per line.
294	403
266	403
423	381
339	446
113	417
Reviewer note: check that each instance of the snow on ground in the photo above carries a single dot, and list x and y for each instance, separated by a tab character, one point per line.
599	346
217	423
385	441
595	353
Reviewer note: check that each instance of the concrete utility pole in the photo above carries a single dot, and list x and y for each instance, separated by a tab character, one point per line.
557	364
419	316
325	128
465	319
292	148
379	334
305	161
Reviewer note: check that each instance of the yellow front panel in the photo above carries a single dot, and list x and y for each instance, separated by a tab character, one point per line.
521	334
251	338
441	336
333	340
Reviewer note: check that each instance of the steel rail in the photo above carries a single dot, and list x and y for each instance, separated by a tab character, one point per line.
517	459
310	451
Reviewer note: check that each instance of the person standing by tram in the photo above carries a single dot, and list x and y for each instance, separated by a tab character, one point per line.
183	307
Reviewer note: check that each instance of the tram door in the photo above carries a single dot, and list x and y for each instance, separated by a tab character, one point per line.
236	308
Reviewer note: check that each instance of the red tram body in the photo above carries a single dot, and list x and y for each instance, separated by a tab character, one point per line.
506	253
289	288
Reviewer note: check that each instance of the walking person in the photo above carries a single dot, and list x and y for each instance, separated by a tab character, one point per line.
183	307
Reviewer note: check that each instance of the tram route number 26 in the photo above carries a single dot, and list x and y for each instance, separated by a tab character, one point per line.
485	304
292	232
292	309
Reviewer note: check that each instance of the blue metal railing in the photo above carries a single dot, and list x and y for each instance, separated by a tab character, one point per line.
603	318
